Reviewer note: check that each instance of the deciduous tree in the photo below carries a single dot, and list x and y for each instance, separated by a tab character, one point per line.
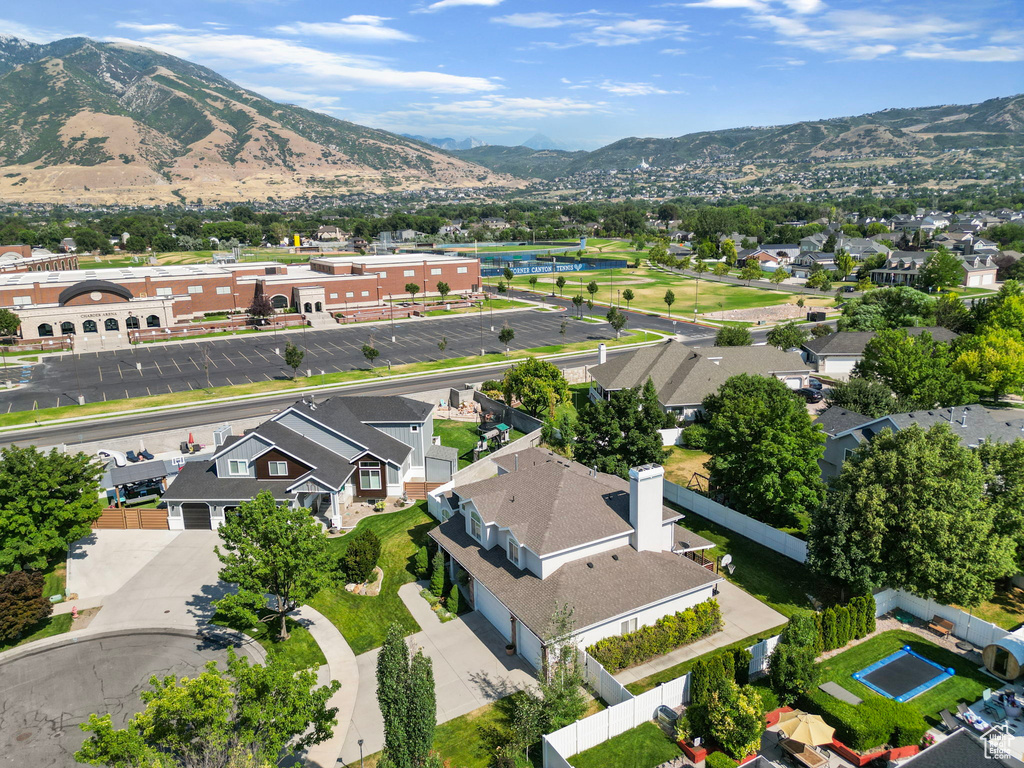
616	320
628	296
669	299
533	383
293	357
271	549
863	396
622	432
941	269
917	368
22	603
787	336
733	336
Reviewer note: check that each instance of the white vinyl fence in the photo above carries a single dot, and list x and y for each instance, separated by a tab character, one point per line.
966	627
762	533
627	711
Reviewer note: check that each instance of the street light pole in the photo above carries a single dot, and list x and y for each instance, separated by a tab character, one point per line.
74	359
391	301
481	315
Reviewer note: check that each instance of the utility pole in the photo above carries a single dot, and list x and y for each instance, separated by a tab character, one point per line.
391	300
74	359
481	315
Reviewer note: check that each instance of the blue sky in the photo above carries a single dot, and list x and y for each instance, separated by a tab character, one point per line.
583	73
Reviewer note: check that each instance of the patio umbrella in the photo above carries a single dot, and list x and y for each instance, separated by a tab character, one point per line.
807	728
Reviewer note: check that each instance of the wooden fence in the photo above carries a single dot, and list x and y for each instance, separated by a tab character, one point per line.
114	518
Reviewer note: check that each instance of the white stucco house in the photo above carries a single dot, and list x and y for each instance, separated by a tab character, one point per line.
548	532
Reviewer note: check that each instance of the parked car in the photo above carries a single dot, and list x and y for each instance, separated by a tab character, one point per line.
810	395
814	384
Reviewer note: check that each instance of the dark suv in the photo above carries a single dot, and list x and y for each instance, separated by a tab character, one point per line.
810	395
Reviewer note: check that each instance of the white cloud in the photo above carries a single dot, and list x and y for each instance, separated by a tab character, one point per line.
505	107
298	98
442	4
368	28
989	53
673	51
303	65
598	28
148	27
30	33
632	89
751	5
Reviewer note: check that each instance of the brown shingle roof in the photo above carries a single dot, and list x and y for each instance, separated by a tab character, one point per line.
620	581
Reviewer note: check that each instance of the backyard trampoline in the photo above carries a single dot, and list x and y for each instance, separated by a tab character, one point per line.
903	675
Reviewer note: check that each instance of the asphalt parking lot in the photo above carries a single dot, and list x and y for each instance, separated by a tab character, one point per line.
151	369
47	695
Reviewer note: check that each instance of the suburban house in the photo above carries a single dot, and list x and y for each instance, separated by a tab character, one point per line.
683	376
808	262
319	455
904	268
837	353
331	232
549	532
973	424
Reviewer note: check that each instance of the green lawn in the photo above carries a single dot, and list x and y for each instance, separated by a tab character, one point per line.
967	685
364	620
682	463
54	625
645	746
55	578
463	437
488	305
1005	609
300	648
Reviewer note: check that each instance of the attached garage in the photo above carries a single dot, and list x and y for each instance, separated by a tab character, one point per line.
794	382
837	364
528	645
492	610
196	516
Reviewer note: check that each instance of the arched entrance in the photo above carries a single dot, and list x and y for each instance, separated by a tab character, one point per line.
319	306
45	329
89	326
111	324
307	307
279	302
153	321
66	328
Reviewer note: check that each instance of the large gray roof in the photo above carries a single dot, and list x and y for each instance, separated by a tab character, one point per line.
683	375
619	581
198	481
347	416
973	424
835	420
853	342
551	503
325	465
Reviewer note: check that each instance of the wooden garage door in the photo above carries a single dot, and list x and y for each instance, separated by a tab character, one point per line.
196	515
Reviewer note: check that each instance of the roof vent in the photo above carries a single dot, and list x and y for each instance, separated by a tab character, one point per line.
590	565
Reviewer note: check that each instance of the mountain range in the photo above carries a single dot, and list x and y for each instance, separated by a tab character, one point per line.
91	122
996	125
448	143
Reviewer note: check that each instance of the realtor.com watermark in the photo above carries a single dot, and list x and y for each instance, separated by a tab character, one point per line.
997	742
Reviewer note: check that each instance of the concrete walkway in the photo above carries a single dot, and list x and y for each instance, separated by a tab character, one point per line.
471	669
743	616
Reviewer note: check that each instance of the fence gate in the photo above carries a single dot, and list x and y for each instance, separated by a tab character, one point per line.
113	518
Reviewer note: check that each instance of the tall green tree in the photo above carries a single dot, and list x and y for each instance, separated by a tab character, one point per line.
628	296
560	282
669	299
845	264
909	511
534	383
733	336
246	715
764	449
787	336
271	549
392	694
994	359
9	323
47	501
952	313
889	307
941	269
616	320
293	357
864	396
421	709
412	289
1004	487
729	252
443	290
506	334
792	670
622	432
917	368
560	680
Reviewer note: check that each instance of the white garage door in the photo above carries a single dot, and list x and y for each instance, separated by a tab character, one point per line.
837	365
493	610
794	382
528	645
974	280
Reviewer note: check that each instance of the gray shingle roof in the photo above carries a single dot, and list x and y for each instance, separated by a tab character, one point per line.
853	342
835	420
973	424
620	581
346	415
442	452
325	464
551	503
198	481
960	750
683	375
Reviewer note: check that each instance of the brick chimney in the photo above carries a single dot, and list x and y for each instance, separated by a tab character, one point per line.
646	493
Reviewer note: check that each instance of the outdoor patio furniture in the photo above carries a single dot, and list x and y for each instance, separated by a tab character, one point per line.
991	705
977	723
940	626
184	447
962	708
130	455
146	455
948	721
803	754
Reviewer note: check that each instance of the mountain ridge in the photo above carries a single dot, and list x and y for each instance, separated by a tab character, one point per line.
94	122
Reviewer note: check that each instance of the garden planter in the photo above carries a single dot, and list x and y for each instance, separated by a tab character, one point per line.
510	650
695	754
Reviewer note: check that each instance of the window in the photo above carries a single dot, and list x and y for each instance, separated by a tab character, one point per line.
21	301
350	294
435	271
195	289
89	326
365	293
513	550
238	467
462	270
334	295
847	454
163	291
382	274
629	625
153	321
111	324
476	526
369	479
278	468
409	273
414	428
223	289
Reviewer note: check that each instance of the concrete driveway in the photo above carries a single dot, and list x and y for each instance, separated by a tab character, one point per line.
471	669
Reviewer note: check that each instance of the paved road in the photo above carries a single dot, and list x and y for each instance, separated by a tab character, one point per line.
47	695
152	369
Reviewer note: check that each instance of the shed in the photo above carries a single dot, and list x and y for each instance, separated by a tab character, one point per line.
441	463
1005	657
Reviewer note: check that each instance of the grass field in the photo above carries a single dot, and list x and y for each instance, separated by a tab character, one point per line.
682	463
462	436
55	578
645	746
299	649
649	287
364	620
1005	609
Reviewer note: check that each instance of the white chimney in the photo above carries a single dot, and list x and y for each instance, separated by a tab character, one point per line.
602	354
646	494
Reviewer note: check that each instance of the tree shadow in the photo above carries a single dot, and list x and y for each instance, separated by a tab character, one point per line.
79	549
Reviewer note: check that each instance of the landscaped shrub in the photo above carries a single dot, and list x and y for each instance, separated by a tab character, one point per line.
437	575
666	634
734	718
452	603
719	760
828	629
361	557
792	671
843	634
22	603
421	565
696	436
870	724
869	614
741	661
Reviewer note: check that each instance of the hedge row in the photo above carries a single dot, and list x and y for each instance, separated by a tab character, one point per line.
872	723
719	760
666	634
840	624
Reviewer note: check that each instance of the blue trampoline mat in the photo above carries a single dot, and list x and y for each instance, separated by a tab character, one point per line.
903	675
